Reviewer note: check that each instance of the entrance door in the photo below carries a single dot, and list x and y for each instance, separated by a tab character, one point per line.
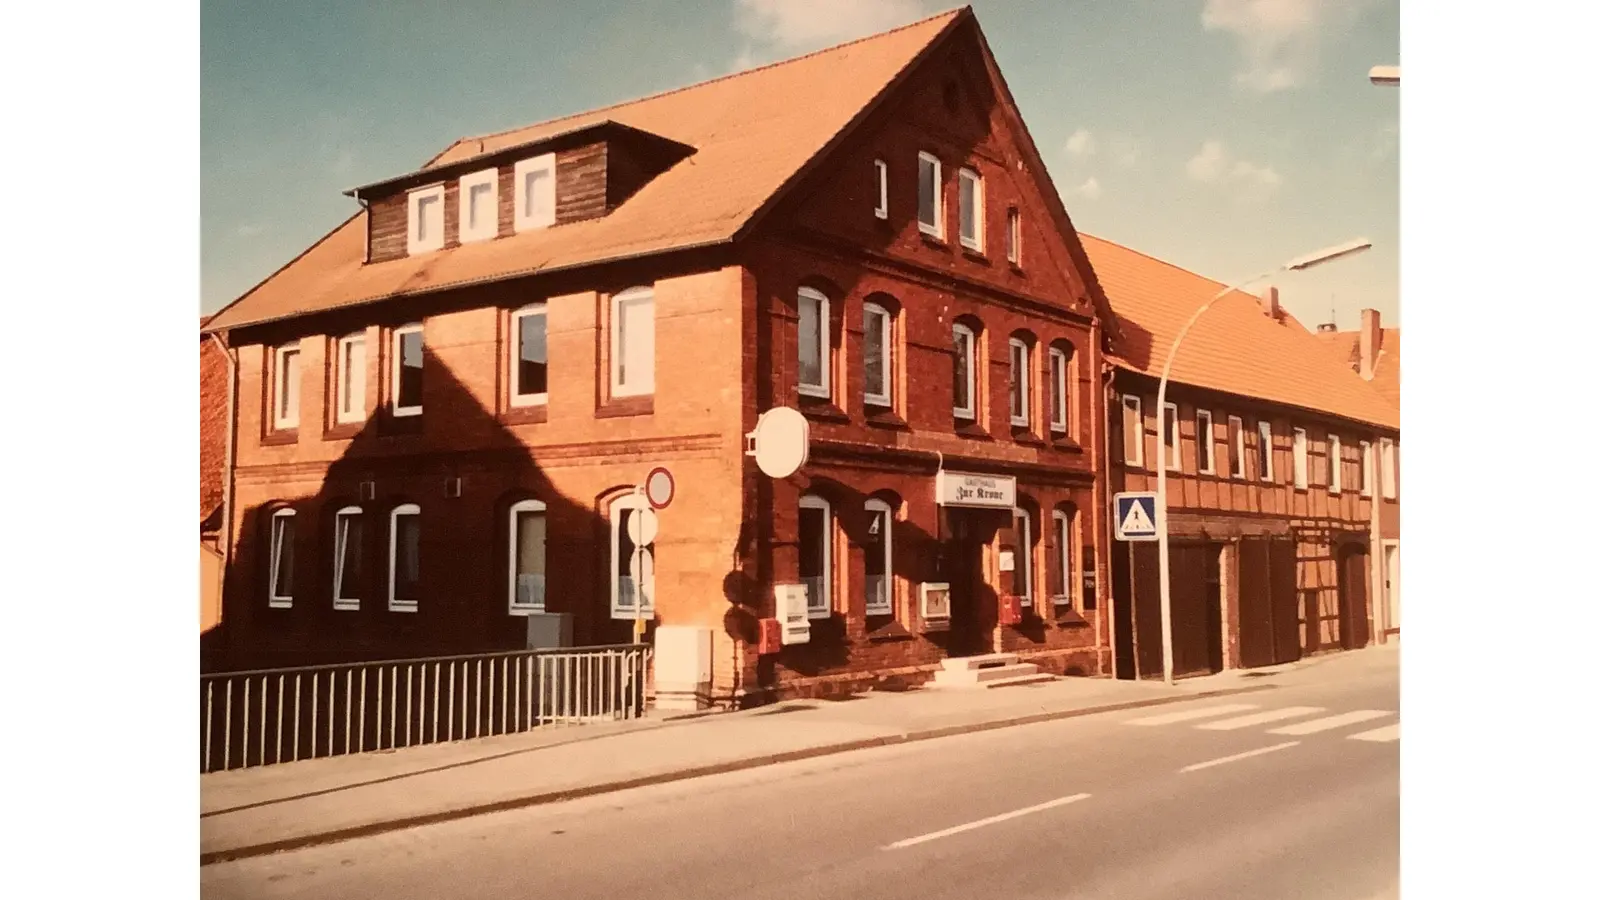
1391	588
1353	609
1196	609
971	628
1269	613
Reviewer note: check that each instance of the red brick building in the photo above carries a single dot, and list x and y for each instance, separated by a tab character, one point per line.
1281	470
444	404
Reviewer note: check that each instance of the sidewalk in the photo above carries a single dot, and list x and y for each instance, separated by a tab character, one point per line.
256	811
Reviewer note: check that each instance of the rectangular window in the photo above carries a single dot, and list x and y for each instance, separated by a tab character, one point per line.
965	393
633	566
405	558
812	306
1236	446
1058	390
1302	459
535	185
1014	237
425	224
930	196
816	555
1062	588
633	343
347	556
280	572
1022	579
530	363
1019	383
1132	431
480	206
881	168
350	379
877	355
1366	468
527	557
286	388
1264	450
1335	464
1389	475
878	548
1204	442
971	198
407	385
1169	419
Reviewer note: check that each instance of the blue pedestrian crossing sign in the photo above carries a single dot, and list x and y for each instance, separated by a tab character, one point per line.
1135	516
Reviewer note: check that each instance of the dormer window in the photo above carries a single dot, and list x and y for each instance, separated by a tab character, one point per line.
425	219
480	206
535	185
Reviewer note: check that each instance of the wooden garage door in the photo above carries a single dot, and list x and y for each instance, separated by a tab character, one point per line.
1269	617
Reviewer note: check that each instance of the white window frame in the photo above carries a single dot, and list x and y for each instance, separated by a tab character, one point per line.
936	227
1204	436
517	397
882	169
1020	381
637	385
1367	460
514	607
645	591
1238	464
274	552
524	218
975	242
886	608
823	388
415	223
395	340
485	231
1174	438
1024	555
286	390
1386	471
1264	434
341	538
822	608
1058	388
1302	459
1137	424
1335	464
886	336
350	379
1014	236
404	509
968	352
1063	536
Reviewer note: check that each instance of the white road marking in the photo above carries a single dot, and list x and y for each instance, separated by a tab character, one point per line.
1379	735
1331	722
1260	718
1238	756
1189	714
933	836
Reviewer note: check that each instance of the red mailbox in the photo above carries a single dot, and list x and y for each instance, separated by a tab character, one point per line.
1010	609
771	637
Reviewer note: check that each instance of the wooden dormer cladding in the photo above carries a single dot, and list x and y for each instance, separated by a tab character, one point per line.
598	168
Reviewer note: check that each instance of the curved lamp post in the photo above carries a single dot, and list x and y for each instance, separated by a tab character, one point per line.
1388	76
1298	264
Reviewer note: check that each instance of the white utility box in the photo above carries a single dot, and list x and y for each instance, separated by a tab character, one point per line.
792	614
683	667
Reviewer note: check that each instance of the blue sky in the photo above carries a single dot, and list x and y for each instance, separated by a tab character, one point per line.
1222	135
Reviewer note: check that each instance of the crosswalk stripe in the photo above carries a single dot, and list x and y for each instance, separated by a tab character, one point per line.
1190	714
1260	718
1329	723
1379	735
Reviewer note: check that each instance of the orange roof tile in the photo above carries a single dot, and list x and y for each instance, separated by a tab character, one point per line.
753	132
1346	346
1235	347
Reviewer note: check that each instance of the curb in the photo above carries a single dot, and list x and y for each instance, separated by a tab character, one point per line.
375	828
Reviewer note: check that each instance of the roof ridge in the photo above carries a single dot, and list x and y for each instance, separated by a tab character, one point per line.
698	84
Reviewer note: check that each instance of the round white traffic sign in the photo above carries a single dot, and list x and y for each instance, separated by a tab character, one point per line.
642	527
659	487
782	442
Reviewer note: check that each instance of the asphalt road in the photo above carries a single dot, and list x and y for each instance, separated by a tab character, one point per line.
1095	807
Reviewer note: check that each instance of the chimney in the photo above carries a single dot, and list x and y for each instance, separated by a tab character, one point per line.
1270	301
1371	342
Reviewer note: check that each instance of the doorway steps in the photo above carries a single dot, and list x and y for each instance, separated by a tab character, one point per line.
992	670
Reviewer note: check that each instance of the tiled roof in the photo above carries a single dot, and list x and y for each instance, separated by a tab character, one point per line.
1346	346
1235	348
753	133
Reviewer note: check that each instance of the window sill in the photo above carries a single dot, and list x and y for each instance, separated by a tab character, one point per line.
343	431
934	241
1016	268
822	408
347	605
890	630
532	414
883	417
403	607
971	429
975	255
1062	442
280	604
280	438
523	611
627	615
1069	618
935	626
1022	435
620	407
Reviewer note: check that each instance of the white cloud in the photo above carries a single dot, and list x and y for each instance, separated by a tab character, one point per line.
804	25
1279	39
1214	164
1081	144
1089	189
1209	163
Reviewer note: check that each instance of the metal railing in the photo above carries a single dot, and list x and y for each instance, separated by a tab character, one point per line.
272	716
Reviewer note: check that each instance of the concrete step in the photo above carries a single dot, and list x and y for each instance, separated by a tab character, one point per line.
989	676
968	663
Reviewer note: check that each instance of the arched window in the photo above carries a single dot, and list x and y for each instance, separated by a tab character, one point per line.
1022	580
1060	381
877	355
350	379
816	341
633	342
964	396
280	574
633	566
879	547
816	555
527	557
405	557
347	555
1064	589
1021	375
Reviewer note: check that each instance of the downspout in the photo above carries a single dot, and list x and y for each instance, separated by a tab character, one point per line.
227	470
1105	593
1375	555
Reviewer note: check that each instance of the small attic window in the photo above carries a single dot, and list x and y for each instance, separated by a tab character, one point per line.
535	187
480	206
425	219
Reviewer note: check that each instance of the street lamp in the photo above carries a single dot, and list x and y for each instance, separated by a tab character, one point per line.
1298	264
1388	76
